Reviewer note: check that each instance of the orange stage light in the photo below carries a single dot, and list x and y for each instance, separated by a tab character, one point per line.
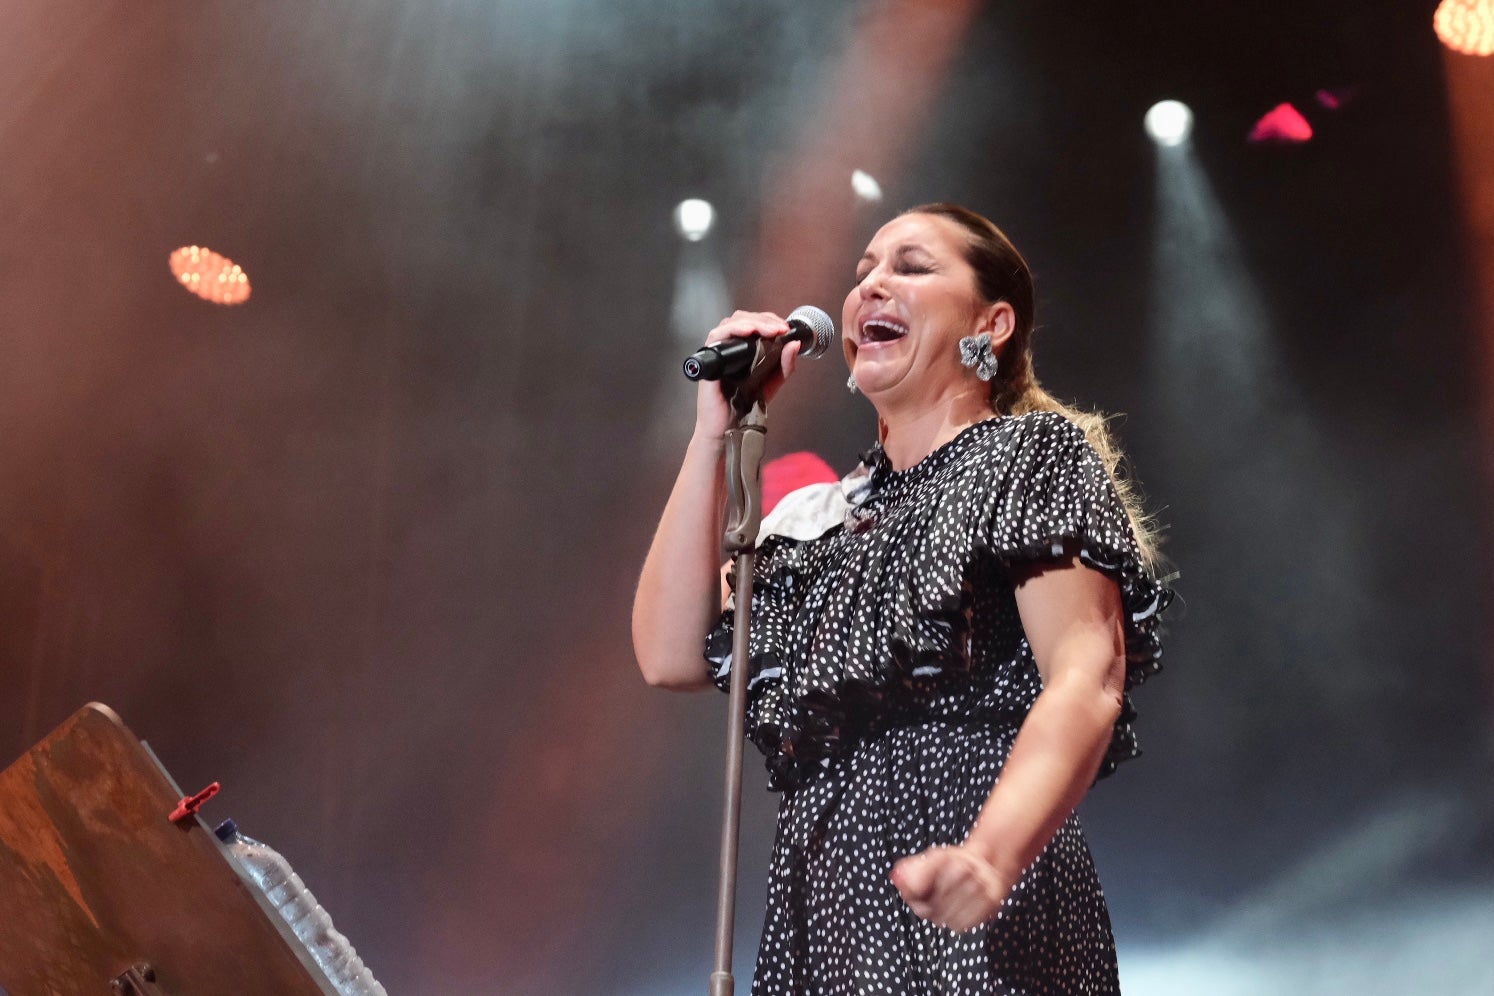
1466	26
210	276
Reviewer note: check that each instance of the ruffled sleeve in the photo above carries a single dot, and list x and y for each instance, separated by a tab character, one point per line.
1054	499
804	514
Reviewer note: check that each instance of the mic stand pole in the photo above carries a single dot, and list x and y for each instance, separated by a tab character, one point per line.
745	442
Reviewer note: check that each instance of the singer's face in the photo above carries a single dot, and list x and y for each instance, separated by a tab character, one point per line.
914	297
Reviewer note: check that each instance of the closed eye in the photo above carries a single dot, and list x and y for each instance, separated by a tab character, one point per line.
901	267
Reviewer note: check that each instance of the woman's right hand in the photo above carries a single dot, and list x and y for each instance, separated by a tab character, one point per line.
712	410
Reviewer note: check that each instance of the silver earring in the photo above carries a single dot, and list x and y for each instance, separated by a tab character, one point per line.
851	384
976	352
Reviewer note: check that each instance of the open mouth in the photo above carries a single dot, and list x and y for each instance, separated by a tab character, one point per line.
877	330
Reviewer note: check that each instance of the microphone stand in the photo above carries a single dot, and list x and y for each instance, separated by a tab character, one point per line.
745	443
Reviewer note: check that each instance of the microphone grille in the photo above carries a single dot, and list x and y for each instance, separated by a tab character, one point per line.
818	323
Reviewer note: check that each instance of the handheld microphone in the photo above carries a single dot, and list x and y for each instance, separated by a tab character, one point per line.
732	358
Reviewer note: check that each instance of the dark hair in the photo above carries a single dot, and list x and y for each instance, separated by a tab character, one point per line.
1001	274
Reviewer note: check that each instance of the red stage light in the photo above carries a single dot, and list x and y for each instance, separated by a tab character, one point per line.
1283	123
210	276
1466	26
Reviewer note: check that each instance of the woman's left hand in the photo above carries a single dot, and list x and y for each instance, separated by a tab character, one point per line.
954	887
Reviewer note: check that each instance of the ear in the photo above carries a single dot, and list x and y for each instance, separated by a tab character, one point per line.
999	319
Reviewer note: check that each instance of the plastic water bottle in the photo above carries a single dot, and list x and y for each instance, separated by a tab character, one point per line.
310	923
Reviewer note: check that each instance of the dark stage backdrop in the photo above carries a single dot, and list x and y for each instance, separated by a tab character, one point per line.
363	548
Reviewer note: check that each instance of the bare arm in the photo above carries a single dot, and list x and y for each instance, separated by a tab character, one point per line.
680	590
1072	616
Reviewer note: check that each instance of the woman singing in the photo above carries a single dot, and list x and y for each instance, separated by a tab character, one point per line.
942	643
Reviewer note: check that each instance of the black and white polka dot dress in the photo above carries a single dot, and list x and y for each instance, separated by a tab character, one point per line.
890	674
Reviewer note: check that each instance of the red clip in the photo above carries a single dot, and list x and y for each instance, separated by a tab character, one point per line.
190	804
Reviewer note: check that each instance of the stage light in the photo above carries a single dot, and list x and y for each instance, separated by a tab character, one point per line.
693	217
210	276
1466	26
1282	125
1169	122
866	186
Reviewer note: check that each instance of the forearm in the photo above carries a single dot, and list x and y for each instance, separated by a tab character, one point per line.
1052	764
679	590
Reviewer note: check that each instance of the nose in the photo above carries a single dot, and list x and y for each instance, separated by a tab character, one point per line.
872	288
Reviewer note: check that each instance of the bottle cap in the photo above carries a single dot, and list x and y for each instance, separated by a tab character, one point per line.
228	828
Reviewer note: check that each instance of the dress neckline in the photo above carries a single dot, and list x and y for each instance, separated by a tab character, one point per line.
883	475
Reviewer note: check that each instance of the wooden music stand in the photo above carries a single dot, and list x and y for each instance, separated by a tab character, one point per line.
99	889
